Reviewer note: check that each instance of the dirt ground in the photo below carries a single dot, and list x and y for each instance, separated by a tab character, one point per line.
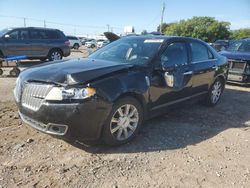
188	147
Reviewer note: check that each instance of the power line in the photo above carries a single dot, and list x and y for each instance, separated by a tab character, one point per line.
56	23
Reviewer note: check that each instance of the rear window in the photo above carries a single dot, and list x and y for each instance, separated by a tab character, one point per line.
72	38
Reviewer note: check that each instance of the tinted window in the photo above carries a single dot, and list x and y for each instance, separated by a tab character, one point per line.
24	34
52	34
35	34
199	52
72	38
175	54
13	35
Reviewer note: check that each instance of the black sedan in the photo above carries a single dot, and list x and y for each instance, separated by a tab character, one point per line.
108	95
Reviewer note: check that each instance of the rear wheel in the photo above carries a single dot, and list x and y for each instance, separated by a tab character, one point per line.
215	92
124	121
76	46
1	71
92	46
55	55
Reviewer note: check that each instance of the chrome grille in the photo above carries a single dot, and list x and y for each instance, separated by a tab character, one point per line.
237	65
18	90
34	95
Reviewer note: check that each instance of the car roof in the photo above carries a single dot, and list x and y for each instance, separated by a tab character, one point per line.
164	37
11	28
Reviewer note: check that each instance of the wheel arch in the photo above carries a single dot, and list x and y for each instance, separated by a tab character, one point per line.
1	54
139	97
55	48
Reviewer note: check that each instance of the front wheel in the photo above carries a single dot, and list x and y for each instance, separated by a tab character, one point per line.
55	55
215	92
124	121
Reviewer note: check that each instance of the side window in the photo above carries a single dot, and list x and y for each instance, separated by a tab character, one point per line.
34	34
200	52
13	35
24	34
52	34
175	54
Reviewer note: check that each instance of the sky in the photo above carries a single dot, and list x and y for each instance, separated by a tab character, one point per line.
92	17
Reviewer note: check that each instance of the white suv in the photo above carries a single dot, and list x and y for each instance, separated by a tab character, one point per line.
74	42
90	43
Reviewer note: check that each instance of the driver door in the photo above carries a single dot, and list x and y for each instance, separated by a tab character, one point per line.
174	67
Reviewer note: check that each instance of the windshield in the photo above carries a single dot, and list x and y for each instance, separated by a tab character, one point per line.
133	50
240	46
2	32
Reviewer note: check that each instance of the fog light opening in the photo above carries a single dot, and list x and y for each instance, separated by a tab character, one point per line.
57	129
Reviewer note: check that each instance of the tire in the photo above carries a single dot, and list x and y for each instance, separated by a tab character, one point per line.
1	71
76	46
123	122
15	72
215	92
92	46
55	54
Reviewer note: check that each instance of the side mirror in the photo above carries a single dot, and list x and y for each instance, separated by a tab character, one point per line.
6	37
169	79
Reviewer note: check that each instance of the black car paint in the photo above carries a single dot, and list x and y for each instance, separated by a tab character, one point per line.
113	81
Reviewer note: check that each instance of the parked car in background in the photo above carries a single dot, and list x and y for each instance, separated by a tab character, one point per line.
90	43
109	94
238	54
35	43
74	42
101	44
83	40
220	45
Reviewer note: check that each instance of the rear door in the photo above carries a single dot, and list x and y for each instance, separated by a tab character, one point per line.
39	42
203	66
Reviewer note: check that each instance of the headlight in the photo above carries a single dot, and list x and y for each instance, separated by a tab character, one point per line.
60	93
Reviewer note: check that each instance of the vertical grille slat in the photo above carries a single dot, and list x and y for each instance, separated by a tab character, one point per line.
34	94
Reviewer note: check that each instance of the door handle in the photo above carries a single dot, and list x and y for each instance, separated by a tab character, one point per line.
188	73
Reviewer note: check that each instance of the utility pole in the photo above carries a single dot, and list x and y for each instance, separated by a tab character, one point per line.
44	23
108	27
162	14
24	22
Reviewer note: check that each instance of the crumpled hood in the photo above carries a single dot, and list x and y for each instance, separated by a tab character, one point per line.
72	71
236	55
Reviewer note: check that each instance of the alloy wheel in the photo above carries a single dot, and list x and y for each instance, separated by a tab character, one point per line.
216	92
124	122
56	56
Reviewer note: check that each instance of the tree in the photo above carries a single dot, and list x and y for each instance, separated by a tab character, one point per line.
144	32
164	27
204	28
240	33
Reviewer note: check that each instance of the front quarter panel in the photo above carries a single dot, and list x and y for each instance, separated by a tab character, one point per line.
115	86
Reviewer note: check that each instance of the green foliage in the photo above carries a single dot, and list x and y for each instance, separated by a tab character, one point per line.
240	33
144	32
164	27
204	28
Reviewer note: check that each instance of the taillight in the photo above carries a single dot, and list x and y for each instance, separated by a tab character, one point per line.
67	43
